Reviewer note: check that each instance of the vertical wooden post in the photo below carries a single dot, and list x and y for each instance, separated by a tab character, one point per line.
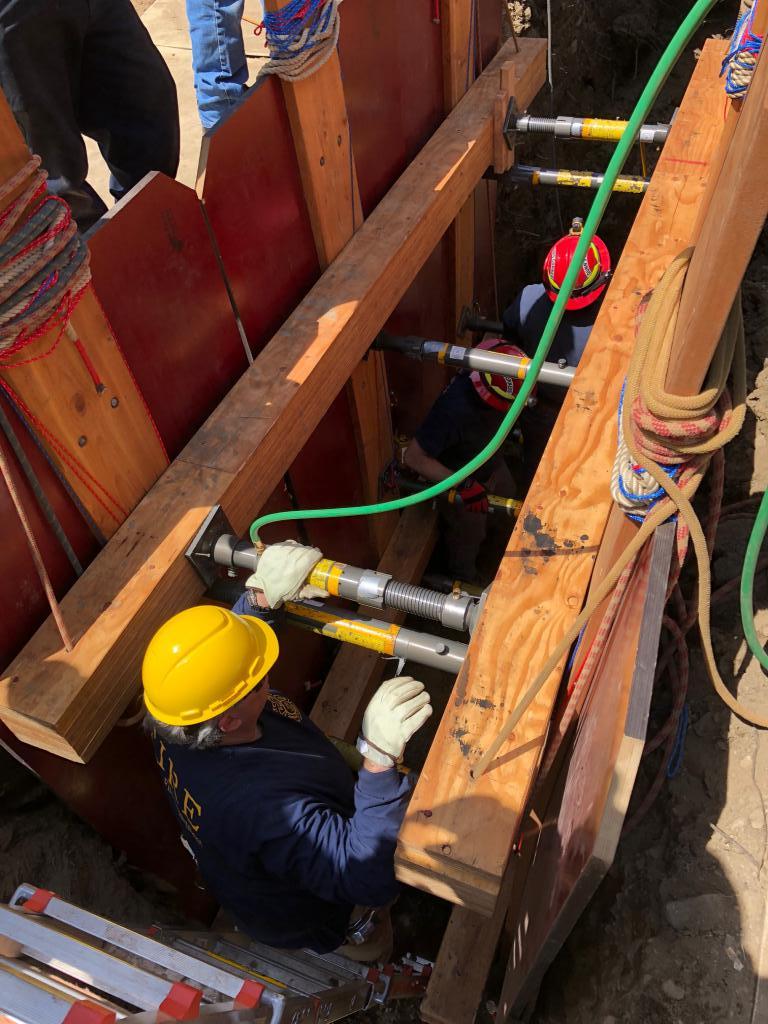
106	431
458	75
728	232
759	26
318	114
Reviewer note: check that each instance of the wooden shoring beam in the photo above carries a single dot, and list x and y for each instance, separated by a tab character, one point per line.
458	75
458	833
734	108
356	672
317	111
469	943
102	420
730	217
67	703
581	805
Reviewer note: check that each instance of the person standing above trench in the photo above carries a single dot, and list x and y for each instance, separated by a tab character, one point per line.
297	849
88	67
218	57
458	426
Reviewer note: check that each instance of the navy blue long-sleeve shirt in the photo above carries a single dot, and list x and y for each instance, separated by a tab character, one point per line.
284	835
527	315
458	426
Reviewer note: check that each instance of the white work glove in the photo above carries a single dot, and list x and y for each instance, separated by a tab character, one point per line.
397	709
282	572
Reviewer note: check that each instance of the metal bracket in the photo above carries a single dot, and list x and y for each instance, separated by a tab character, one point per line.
477	611
509	131
470	320
461	327
200	550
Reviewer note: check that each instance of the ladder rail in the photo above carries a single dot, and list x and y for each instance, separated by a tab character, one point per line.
34	999
333	1001
130	941
44	944
60	955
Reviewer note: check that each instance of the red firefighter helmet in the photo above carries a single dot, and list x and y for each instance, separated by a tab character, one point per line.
496	389
593	276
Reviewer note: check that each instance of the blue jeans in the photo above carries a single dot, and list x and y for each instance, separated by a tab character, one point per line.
70	68
218	57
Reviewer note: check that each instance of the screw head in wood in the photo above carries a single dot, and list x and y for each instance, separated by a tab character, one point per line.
82	440
114	402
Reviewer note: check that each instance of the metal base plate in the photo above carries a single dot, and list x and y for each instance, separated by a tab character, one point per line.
200	550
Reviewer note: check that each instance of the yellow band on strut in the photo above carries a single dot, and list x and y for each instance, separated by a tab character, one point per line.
354	631
326	575
512	504
599	128
574	179
634	185
364	635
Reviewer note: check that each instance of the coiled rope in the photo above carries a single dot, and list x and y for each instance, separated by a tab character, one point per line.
686	431
740	61
301	37
44	271
44	264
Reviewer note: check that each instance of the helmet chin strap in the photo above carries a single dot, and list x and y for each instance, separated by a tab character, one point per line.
599	281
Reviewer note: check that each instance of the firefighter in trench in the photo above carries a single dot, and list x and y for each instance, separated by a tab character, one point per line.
470	410
294	845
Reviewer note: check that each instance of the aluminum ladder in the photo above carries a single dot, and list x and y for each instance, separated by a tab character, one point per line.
59	963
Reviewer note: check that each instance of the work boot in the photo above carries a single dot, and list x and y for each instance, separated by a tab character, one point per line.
377	947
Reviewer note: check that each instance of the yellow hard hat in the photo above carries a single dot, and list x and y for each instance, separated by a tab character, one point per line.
204	660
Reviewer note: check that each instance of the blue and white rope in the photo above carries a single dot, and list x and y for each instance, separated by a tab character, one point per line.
301	37
633	488
739	63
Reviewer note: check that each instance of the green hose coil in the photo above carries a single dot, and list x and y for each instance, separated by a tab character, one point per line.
747	588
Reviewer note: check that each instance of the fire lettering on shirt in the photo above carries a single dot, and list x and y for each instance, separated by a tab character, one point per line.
191	809
187	808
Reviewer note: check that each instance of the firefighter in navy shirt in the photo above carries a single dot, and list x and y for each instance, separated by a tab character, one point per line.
525	318
459	425
289	841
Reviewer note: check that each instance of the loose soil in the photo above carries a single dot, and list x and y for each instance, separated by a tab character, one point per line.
677	932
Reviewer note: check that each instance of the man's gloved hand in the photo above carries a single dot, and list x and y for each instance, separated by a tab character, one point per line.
282	572
474	496
397	709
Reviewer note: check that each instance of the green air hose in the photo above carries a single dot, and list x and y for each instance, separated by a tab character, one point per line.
639	115
746	591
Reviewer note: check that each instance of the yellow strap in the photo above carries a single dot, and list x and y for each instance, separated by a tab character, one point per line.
573	179
326	575
599	128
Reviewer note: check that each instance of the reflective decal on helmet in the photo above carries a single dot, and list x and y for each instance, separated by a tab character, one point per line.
594	272
497	389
